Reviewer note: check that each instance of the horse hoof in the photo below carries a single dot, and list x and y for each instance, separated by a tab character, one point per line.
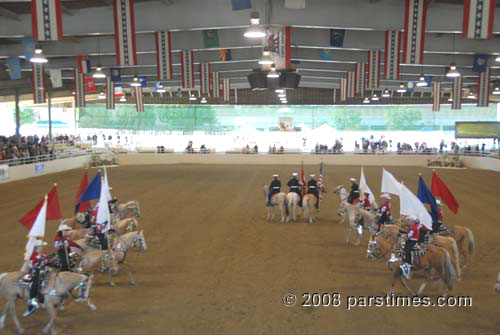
112	284
132	282
92	307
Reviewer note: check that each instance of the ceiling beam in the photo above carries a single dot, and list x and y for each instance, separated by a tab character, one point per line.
9	14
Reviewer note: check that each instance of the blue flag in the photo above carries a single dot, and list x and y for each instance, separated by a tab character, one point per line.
93	191
28	47
480	63
428	80
143	80
426	197
13	67
116	74
337	37
327	54
241	4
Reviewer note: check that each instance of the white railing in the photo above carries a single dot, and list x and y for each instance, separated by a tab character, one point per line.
43	158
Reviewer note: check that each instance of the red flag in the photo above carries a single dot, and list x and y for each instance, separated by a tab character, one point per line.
53	209
303	179
439	189
89	84
84	206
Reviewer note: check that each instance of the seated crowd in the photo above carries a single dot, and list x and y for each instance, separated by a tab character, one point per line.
25	148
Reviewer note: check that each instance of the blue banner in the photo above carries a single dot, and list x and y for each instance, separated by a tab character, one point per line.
14	68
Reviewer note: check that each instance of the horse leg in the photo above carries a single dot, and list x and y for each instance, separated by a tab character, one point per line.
129	272
348	235
405	284
282	212
12	309
52	315
4	314
465	251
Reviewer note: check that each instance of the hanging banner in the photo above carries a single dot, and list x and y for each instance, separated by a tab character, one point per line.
187	69
46	20
360	71
483	88
457	93
392	56
164	55
351	84
110	93
278	42
39	88
205	78
373	71
414	33
436	96
478	19
226	89
216	85
139	99
125	47
79	89
343	89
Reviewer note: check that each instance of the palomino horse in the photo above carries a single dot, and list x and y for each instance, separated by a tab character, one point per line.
120	227
343	195
352	214
308	206
435	257
116	256
465	242
292	201
60	285
278	199
127	209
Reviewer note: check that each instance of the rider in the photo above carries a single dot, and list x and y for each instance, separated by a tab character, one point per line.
312	188
63	245
436	226
385	210
295	186
354	195
36	263
274	188
412	236
365	203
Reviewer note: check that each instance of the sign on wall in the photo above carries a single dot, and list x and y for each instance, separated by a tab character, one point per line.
39	168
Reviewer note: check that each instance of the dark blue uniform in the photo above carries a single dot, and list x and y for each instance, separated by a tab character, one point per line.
312	188
295	186
274	187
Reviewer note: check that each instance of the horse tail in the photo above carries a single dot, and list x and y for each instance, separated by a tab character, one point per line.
456	256
451	274
287	199
471	241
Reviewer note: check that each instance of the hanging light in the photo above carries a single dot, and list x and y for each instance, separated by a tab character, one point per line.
98	72
421	81
366	101
74	93
101	96
471	96
192	97
496	91
453	73
273	73
266	58
284	101
497	59
203	100
282	95
136	82
279	90
123	99
160	88
450	99
386	94
401	88
255	30
38	57
374	97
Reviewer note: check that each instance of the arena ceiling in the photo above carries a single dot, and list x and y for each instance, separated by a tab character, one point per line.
88	29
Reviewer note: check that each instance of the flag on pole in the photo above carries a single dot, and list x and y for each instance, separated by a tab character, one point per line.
53	210
126	54
28	47
164	55
351	84
360	71
79	89
337	37
82	207
411	205
90	85
106	180
478	19
436	96
56	77
13	67
103	217
37	229
216	85
390	184
110	93
392	56
480	63
226	89
93	190
225	55
303	179
46	20
483	88
439	189
373	78
320	180
457	93
343	89
187	69
205	78
414	31
363	186
210	38
39	88
139	99
327	54
426	197
84	64
116	74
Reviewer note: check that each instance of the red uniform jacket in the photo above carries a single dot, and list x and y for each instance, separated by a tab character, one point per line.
37	258
386	207
366	203
440	212
414	232
59	242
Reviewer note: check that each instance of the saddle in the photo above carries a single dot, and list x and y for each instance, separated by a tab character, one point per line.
445	230
418	250
55	262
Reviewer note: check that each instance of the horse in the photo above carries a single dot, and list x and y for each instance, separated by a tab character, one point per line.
308	203
465	242
127	209
114	257
343	195
292	201
352	213
278	199
60	285
126	225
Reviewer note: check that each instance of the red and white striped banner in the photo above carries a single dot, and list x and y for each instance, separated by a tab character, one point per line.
46	20
392	55
436	96
288	47
79	89
343	89
187	69
164	55
38	85
373	78
351	84
457	93
205	78
216	85
110	93
139	99
360	71
483	88
478	19
126	51
226	89
414	33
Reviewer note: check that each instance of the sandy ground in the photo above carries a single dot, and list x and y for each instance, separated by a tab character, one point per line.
215	266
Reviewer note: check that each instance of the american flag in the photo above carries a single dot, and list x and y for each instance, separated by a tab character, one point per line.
303	179
320	180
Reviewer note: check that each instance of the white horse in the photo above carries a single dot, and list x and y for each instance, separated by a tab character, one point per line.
343	195
278	199
292	201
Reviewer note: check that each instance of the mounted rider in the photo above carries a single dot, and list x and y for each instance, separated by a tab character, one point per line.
353	197
37	263
412	238
295	186
385	210
437	226
312	188
274	188
365	203
63	246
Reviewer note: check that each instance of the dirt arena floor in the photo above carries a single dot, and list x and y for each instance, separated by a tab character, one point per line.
215	266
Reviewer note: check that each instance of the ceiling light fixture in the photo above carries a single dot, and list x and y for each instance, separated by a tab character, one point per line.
421	81
38	57
284	101
136	82
192	97
471	96
123	99
497	59
374	97
386	94
255	30
273	73
101	96
450	99
279	90
401	88
366	101
203	100
98	72
452	72
496	91
160	88
266	58
282	95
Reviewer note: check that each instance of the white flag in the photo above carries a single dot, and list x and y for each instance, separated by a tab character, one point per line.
38	228
390	184
30	246
107	184
56	77
295	4
411	205
364	188
103	216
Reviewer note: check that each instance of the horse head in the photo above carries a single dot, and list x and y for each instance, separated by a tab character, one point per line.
139	241
337	189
